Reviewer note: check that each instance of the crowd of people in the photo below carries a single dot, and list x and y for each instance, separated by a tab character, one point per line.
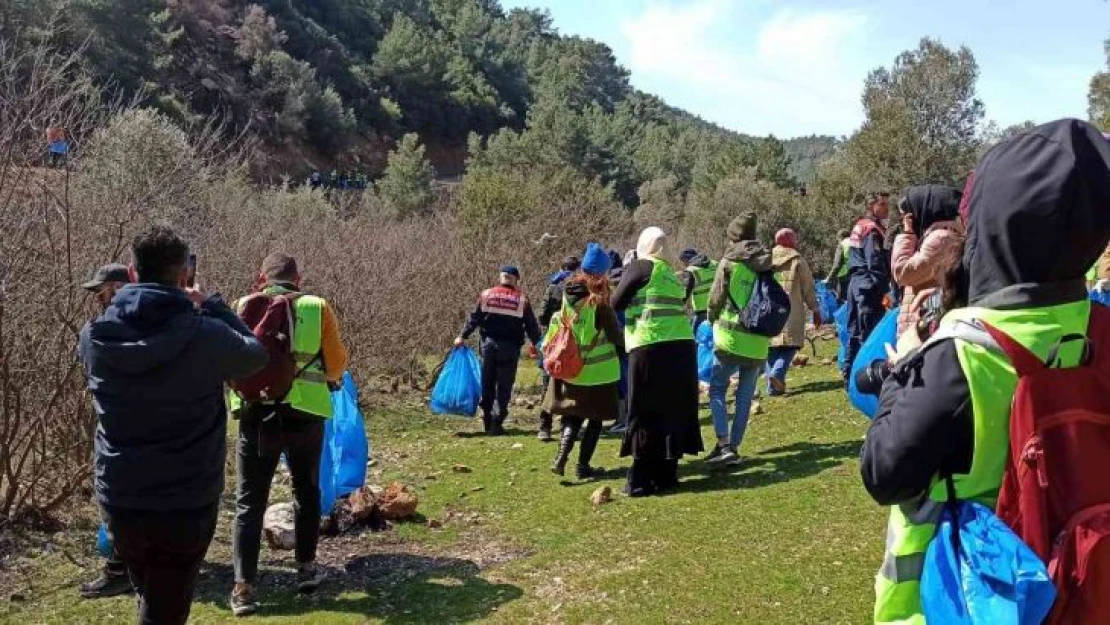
343	181
1012	250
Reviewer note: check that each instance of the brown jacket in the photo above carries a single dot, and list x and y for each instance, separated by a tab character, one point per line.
793	273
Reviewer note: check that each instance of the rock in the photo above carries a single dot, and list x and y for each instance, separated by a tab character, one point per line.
461	468
530	406
602	496
362	503
757	408
278	525
398	502
518	446
434	524
827	361
477	489
16	597
801	360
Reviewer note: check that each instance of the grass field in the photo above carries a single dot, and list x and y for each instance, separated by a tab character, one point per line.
787	537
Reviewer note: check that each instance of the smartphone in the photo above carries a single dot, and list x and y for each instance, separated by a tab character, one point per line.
191	281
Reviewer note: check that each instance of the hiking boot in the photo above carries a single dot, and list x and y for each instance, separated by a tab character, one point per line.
587	472
716	453
498	428
308	577
735	460
242	600
778	387
107	585
567	438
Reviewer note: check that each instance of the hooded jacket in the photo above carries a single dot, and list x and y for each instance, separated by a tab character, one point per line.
920	260
689	282
156	367
753	255
793	273
1038	220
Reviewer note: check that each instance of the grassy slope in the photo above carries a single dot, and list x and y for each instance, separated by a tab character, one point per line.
788	537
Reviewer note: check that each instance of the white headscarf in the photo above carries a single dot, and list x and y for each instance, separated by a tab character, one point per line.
652	243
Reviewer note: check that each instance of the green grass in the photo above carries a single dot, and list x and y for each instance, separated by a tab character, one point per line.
788	537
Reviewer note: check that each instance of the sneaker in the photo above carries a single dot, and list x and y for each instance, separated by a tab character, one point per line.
544	436
735	460
107	585
726	457
308	577
778	387
717	455
242	600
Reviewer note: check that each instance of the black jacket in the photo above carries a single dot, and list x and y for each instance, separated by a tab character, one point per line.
156	368
869	265
504	329
1038	220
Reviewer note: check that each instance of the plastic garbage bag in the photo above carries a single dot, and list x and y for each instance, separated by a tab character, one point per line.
345	433
873	349
459	384
704	338
841	318
103	541
1100	295
826	301
987	576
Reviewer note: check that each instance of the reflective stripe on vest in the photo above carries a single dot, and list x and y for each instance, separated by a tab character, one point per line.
991	381
729	334
703	284
657	312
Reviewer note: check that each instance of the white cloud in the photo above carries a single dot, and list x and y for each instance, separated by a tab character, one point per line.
790	73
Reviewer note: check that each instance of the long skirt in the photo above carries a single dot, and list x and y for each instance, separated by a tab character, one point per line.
663	402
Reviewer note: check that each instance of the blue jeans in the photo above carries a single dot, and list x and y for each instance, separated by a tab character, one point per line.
718	404
778	363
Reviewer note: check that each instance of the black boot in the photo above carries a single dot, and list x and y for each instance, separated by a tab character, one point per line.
545	427
487	423
567	438
586	451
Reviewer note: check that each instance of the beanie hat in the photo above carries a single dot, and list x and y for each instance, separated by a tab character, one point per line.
596	260
742	228
687	255
615	260
786	238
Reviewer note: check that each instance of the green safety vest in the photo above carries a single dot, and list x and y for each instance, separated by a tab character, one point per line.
703	283
599	356
729	334
845	246
657	314
992	382
310	392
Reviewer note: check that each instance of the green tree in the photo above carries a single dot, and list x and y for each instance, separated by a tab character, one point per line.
406	187
1098	95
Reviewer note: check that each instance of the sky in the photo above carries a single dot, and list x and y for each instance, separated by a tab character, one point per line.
797	67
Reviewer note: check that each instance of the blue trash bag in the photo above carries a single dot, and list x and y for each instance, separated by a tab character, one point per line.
841	318
346	448
826	301
103	541
1100	296
705	351
874	348
992	578
459	385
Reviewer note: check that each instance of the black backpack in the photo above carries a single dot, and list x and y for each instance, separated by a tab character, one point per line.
768	309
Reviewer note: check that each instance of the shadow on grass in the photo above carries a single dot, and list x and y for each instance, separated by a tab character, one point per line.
821	386
400	589
771	466
510	432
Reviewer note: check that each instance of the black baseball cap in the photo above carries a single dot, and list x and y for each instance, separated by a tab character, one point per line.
114	272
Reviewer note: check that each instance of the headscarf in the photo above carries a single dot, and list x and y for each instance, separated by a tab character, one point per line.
652	243
930	204
786	238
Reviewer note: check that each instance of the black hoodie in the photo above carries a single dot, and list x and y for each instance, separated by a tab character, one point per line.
932	203
156	368
1039	218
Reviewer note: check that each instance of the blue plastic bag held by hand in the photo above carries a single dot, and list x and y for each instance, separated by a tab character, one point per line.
103	541
705	351
841	318
346	449
873	349
826	301
459	385
986	576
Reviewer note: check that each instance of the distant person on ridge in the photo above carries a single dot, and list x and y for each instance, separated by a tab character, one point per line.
503	317
869	275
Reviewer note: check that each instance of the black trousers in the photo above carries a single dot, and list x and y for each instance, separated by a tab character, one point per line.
651	475
163	552
113	564
864	315
499	365
264	433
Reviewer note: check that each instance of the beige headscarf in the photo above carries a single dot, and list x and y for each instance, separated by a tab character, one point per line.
652	244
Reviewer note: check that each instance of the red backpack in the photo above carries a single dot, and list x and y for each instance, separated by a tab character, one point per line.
1056	489
270	318
562	359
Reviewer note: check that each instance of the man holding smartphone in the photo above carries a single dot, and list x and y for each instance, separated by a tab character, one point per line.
156	363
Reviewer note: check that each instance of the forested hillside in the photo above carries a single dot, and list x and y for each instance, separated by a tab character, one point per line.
335	83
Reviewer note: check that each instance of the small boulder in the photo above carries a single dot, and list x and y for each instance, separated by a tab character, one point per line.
278	526
757	408
518	446
461	468
362	503
434	524
602	496
398	502
801	360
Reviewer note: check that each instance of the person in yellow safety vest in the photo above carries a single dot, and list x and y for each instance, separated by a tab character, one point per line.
837	280
1037	221
592	397
698	278
294	427
662	369
736	351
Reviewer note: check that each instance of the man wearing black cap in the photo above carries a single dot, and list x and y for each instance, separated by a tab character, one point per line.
106	281
503	317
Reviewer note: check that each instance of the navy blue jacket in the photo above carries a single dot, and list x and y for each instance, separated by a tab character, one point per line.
156	369
501	324
869	261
